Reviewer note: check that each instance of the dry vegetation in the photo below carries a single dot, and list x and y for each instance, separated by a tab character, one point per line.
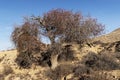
111	37
72	54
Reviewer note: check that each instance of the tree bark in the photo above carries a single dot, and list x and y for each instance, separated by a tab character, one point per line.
52	39
54	61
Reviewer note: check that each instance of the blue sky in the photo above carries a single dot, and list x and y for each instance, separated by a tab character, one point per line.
12	12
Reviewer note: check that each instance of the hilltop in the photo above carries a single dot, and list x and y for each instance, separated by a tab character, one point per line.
109	38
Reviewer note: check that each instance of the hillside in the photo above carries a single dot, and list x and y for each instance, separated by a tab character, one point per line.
97	61
111	37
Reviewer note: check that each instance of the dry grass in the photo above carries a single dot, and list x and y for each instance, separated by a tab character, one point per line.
111	37
9	70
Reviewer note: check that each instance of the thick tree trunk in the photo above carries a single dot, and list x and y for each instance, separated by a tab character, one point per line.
54	61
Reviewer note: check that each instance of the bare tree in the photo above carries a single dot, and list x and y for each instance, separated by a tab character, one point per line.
65	25
68	26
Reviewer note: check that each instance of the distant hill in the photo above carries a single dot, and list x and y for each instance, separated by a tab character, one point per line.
109	38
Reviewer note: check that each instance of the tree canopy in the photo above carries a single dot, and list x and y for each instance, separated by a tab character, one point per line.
68	26
64	25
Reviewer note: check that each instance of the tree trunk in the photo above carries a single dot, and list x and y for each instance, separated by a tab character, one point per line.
52	39
54	61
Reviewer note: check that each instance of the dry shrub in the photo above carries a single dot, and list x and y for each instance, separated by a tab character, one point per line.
23	60
67	54
117	55
27	42
80	72
7	70
96	76
81	69
30	47
19	76
102	76
117	47
103	61
60	71
83	72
